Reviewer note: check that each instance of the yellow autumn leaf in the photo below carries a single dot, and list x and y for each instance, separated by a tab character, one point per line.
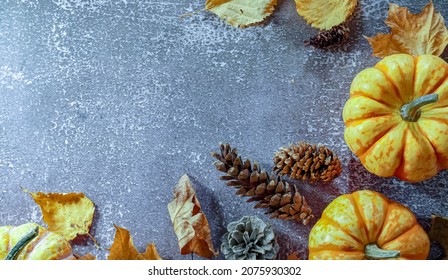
325	14
67	214
123	248
189	222
419	34
242	13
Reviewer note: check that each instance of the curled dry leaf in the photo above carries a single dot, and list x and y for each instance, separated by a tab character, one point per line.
67	214
419	34
123	248
241	13
189	222
439	232
325	14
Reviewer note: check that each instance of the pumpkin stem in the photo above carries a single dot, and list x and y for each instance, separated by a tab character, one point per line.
411	111
373	252
22	243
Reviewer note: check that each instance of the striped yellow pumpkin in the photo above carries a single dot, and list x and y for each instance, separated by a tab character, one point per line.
33	242
367	225
397	117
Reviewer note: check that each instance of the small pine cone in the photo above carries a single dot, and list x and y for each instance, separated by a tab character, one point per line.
307	162
249	238
329	38
281	199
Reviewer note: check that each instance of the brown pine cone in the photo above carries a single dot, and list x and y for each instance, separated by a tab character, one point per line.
329	38
307	162
281	199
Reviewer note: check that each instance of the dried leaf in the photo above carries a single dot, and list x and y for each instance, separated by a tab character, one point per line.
325	14
67	214
88	257
150	253
242	13
293	256
424	33
123	248
439	231
189	222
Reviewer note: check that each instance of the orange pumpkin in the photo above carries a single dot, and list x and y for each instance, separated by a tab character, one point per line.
32	242
367	225
397	117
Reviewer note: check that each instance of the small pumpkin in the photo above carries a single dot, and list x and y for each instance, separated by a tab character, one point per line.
396	119
32	242
367	225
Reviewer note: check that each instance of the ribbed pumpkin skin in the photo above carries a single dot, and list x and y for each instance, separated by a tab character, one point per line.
386	144
352	221
45	246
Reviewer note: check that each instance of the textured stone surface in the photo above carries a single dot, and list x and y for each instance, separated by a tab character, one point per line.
119	99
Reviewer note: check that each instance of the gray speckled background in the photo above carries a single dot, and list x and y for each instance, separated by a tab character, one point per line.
118	99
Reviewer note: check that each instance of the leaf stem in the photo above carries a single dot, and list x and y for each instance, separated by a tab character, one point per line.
192	13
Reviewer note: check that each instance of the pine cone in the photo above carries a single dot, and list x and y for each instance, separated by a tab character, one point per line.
329	38
281	199
307	162
249	239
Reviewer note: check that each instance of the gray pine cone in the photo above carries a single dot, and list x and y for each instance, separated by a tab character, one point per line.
249	239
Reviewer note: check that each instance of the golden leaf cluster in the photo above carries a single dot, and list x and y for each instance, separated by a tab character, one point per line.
71	215
414	34
322	14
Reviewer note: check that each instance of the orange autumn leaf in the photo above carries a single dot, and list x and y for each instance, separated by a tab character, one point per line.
419	34
150	253
293	256
189	222
67	214
88	257
123	248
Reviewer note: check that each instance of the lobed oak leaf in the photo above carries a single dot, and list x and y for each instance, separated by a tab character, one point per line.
419	34
189	222
439	232
242	13
67	214
325	14
123	248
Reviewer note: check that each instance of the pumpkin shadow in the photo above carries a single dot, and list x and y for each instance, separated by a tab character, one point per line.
359	178
289	245
317	195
